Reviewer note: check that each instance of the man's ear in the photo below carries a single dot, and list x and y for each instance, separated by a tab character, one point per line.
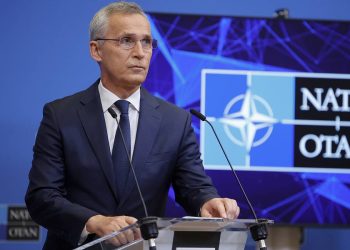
94	51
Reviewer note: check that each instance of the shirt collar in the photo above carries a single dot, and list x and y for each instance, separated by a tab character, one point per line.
108	98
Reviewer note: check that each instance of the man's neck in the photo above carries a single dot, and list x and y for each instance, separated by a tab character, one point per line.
123	91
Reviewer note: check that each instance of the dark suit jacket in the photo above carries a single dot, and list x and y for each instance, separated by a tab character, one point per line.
72	178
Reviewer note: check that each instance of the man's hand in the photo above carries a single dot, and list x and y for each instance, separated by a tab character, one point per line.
103	225
220	207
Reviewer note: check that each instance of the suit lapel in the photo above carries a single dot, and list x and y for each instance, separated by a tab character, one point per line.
148	127
92	119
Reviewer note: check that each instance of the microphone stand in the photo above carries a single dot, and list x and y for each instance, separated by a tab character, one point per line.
259	229
148	224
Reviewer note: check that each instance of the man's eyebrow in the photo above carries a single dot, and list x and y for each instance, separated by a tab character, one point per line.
134	35
128	34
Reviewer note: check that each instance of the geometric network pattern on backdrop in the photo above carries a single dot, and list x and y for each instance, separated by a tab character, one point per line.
187	44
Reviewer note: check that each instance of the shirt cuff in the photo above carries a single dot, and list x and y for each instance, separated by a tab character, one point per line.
83	236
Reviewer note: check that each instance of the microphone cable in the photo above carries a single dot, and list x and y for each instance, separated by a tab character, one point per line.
259	229
148	224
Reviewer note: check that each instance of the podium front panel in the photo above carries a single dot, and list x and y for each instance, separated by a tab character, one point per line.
189	233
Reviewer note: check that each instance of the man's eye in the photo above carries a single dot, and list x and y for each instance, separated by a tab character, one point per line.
146	41
126	40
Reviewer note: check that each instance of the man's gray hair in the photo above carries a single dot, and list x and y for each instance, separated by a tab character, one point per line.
99	22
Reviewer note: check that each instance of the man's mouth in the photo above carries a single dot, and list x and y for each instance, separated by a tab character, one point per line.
136	67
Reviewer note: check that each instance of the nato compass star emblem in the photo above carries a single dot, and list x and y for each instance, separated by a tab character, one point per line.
248	114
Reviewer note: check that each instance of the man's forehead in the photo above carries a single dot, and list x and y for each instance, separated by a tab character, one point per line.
128	19
129	23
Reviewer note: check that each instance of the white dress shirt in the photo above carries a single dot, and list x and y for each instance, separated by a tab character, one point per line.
108	99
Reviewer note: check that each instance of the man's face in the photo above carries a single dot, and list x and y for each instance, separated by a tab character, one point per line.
120	67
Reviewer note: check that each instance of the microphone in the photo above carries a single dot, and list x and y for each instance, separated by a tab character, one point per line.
148	224
259	229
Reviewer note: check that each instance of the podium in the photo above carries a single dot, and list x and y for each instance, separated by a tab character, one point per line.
188	233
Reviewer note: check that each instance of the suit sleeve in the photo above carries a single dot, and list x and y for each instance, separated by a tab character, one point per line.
46	197
191	184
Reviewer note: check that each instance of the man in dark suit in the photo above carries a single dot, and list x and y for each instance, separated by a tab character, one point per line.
77	186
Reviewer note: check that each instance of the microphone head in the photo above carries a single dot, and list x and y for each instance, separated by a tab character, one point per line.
112	113
198	114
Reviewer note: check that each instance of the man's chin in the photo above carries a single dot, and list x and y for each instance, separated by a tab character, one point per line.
136	80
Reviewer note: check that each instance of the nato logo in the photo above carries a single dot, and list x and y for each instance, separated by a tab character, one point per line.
275	121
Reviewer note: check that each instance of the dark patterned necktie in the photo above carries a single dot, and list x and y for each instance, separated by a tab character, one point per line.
119	155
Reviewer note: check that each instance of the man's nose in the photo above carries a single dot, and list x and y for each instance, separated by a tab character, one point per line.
138	50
